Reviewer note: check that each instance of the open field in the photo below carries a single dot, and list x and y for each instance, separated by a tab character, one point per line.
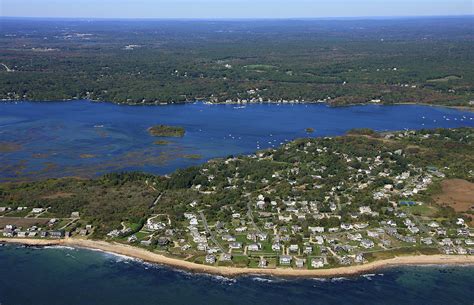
458	194
22	222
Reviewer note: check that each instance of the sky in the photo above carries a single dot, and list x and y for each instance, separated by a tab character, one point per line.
205	9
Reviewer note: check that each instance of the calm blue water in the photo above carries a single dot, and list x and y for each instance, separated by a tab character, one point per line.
59	138
83	277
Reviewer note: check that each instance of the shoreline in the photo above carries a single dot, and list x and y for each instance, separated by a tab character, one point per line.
459	107
151	257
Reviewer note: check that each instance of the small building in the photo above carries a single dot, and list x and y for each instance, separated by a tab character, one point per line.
317	262
56	234
299	262
210	259
235	245
163	241
146	242
367	243
285	260
359	258
228	237
293	248
253	247
226	257
262	263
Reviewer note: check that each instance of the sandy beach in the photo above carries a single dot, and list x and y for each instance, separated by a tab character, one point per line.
151	257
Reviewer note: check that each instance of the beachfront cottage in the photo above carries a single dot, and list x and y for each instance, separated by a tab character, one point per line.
226	257
299	262
317	262
359	258
210	259
285	260
56	234
8	233
163	241
345	260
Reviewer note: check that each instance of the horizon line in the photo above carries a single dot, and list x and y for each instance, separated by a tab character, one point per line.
241	18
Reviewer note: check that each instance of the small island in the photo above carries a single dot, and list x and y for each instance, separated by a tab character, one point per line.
309	130
161	142
166	131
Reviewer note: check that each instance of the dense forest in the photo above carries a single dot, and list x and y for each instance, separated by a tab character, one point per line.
421	60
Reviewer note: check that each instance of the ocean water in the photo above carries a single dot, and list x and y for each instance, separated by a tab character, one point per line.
71	276
82	138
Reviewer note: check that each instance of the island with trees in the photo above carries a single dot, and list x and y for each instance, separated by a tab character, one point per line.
166	131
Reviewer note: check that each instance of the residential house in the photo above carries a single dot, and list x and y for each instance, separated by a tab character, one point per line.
317	262
210	259
367	243
299	262
285	260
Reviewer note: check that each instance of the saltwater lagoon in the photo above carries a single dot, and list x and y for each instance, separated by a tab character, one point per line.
82	138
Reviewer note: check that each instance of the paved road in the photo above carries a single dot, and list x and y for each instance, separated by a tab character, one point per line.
211	234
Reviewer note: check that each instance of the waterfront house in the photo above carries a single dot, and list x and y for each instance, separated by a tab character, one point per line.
146	242
226	257
8	233
345	260
21	234
285	260
299	262
317	262
359	258
56	234
210	259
